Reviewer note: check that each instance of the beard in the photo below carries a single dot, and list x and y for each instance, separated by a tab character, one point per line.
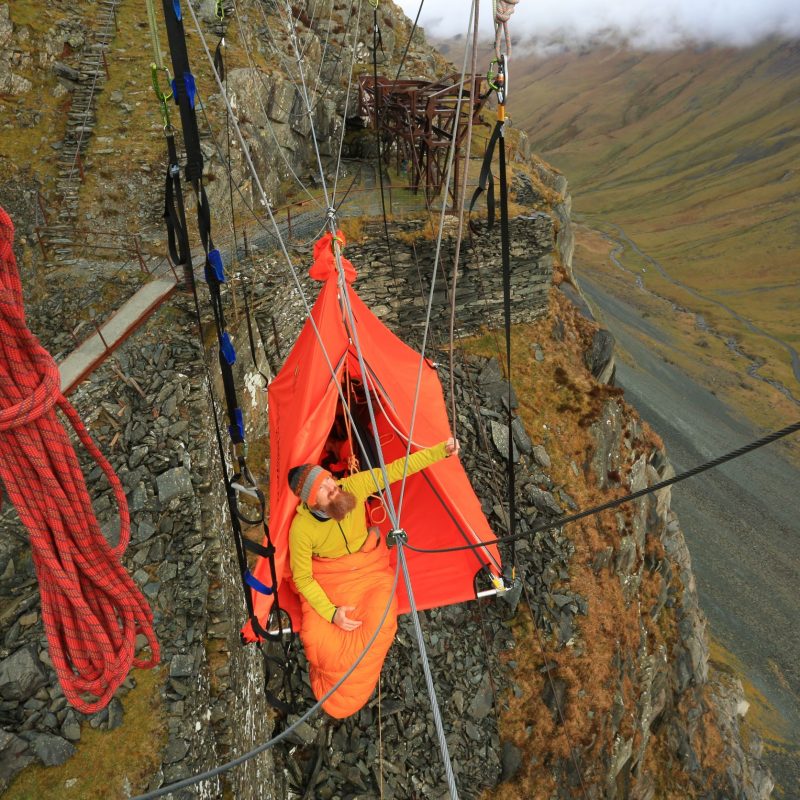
341	505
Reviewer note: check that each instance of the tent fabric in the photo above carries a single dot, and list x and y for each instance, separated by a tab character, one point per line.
365	581
439	506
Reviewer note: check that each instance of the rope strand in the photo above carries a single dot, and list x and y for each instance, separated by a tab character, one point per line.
284	734
437	716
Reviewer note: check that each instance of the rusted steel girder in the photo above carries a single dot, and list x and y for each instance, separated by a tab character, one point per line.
417	121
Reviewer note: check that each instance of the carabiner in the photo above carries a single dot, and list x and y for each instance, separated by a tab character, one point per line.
163	98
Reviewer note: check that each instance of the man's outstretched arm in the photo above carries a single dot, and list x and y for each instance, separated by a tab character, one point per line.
363	484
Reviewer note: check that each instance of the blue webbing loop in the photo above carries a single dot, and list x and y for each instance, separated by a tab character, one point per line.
236	431
191	87
227	349
215	260
255	583
176	7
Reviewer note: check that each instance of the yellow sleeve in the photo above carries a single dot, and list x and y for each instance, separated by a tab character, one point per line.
300	549
363	484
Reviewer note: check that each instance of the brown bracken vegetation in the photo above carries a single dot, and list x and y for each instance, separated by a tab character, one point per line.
559	400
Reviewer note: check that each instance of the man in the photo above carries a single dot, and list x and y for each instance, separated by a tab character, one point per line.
331	521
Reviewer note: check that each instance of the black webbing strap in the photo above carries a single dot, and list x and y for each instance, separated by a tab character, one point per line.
184	91
174	208
505	247
278	620
486	183
215	277
183	88
486	179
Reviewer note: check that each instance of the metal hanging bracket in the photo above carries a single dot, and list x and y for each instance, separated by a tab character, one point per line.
396	536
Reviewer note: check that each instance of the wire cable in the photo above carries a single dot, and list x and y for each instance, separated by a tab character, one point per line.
260	99
460	233
344	121
451	158
293	39
281	242
561	521
270	743
437	715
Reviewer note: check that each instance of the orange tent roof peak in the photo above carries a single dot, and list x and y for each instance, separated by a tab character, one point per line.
324	266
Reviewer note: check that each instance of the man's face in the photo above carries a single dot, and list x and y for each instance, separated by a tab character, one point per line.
333	501
328	492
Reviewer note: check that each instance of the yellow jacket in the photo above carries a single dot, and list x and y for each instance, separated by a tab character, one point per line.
311	537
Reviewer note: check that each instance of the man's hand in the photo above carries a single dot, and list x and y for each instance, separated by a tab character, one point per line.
451	447
341	620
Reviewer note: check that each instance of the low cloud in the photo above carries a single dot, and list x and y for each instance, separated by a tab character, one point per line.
646	25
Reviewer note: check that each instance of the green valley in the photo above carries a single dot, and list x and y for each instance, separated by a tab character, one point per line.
687	160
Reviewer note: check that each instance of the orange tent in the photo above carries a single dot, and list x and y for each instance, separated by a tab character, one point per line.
439	508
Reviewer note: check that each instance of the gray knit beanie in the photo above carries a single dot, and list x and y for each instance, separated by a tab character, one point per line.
305	481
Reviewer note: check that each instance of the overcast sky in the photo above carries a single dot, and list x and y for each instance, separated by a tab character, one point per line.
643	23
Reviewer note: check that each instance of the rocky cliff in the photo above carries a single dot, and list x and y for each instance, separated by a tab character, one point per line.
597	685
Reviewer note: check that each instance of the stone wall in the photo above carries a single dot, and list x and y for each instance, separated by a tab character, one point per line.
396	286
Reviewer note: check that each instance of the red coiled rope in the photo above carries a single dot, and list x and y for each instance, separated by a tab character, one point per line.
91	608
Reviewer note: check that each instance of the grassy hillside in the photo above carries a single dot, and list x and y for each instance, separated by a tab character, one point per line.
692	154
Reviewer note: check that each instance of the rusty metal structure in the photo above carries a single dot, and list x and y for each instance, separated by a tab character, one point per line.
418	120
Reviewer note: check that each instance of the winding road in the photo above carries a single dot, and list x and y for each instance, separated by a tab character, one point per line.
622	240
740	520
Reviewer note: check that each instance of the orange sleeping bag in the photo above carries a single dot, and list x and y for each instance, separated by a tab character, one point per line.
365	581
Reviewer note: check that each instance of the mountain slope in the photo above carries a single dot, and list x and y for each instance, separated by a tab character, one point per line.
693	154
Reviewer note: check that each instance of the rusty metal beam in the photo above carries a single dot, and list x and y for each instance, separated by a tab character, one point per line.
419	120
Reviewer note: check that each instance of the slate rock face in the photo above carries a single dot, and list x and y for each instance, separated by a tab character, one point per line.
500	439
52	750
542	500
599	358
14	757
525	191
21	674
511	761
174	483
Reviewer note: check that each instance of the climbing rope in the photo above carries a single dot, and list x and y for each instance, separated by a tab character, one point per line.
503	9
155	42
426	667
91	608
